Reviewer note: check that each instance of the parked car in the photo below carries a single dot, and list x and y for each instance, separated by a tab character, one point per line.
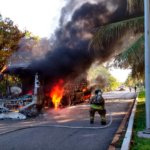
122	88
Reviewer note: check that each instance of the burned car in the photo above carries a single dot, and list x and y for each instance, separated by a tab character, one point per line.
37	93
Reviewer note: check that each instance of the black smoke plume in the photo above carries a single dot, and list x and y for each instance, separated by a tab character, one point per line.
70	56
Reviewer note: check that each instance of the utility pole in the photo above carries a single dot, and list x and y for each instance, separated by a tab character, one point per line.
147	59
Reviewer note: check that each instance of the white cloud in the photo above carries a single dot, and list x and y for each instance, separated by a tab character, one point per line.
38	16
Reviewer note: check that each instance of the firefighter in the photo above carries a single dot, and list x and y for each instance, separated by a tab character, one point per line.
97	104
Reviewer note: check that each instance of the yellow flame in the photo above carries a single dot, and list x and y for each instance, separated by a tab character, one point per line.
57	93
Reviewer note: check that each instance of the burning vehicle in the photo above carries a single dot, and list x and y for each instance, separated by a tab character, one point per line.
53	76
31	100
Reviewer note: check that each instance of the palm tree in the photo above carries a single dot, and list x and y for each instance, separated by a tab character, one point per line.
106	37
132	57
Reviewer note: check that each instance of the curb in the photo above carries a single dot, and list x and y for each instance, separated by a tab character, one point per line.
123	124
128	135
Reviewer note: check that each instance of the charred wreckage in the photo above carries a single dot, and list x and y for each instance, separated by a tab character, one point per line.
34	95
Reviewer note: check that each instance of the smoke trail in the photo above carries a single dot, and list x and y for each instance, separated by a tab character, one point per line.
70	52
70	8
29	49
68	57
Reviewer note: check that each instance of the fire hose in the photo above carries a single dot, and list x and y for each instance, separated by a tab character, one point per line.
82	127
63	126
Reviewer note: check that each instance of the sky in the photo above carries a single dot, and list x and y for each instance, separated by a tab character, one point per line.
40	17
37	16
120	74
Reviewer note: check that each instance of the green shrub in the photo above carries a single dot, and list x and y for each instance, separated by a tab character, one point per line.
141	94
138	143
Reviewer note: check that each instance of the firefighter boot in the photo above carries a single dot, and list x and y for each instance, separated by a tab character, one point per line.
92	112
91	120
103	121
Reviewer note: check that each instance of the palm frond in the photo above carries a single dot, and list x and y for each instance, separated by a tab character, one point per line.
132	55
135	6
132	58
108	34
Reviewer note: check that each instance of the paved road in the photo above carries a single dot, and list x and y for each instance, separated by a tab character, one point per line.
119	95
61	129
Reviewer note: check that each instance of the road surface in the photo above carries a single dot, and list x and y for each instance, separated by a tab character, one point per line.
64	129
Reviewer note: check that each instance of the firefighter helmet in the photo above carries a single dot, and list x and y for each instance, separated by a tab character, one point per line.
98	91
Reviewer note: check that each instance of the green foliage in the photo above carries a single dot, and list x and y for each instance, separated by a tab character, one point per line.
99	76
141	94
113	83
109	34
129	81
139	125
135	6
132	57
125	58
30	36
8	81
9	38
106	37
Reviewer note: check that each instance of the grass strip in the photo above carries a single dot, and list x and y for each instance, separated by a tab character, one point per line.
140	125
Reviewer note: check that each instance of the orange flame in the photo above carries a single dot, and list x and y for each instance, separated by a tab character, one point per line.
3	69
87	96
57	93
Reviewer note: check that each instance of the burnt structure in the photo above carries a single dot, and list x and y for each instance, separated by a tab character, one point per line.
75	91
